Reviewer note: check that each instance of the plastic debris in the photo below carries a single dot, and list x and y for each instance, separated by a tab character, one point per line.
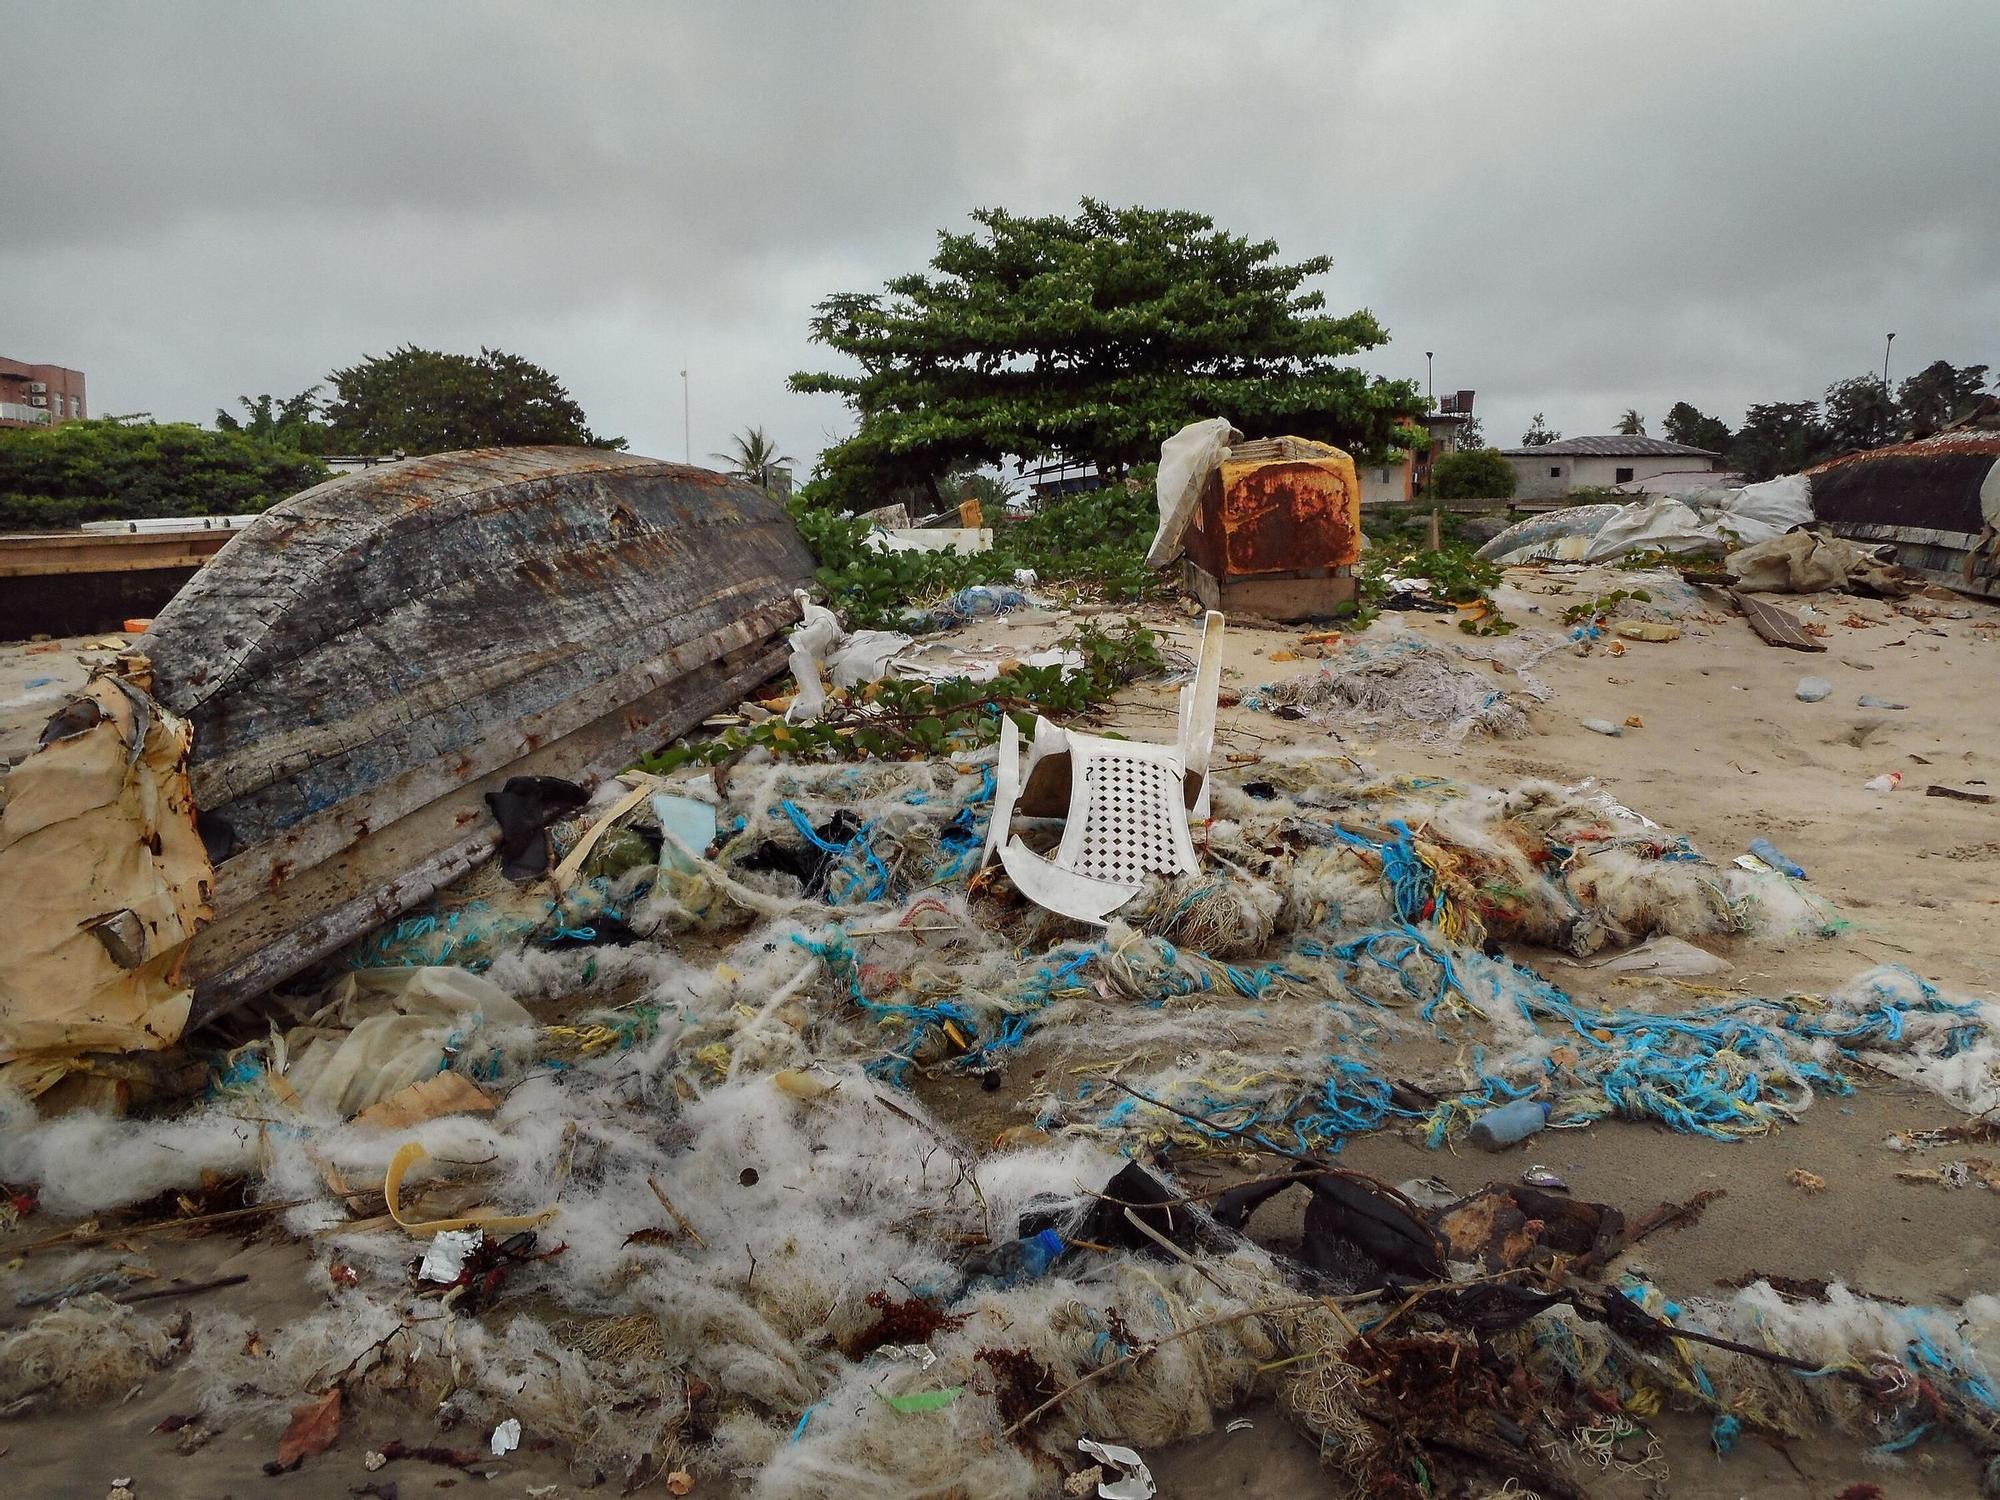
922	1401
680	1482
1545	1177
1241	1424
1604	726
1869	700
1645	630
1136	1481
506	1437
1887	782
1509	1123
1765	850
1806	1182
372	1460
444	1258
1812	689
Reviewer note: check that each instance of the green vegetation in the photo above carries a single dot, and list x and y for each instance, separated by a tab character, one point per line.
906	720
1098	538
291	423
418	401
756	458
1475	474
1095	338
101	470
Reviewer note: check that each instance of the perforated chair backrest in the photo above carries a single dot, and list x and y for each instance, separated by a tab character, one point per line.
1128	816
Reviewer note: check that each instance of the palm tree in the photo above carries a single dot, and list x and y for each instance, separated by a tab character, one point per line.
756	458
1632	424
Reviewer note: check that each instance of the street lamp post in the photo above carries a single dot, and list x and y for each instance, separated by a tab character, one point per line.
687	430
1885	359
1428	392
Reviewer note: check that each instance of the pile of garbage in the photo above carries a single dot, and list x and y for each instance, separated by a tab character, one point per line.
652	1157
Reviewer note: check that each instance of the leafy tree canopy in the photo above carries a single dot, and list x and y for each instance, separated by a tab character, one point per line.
1860	413
415	400
1473	474
1938	393
1781	437
1092	339
1631	424
1539	433
103	470
291	423
1686	424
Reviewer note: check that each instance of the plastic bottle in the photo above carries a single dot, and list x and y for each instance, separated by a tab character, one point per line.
1766	851
1016	1261
1886	783
1509	1123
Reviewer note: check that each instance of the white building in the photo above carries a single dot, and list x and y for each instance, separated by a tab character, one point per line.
1554	469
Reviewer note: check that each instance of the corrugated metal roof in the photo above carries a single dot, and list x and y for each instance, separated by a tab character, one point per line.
1614	446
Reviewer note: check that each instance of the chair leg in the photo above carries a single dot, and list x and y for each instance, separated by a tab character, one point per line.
1199	701
1006	788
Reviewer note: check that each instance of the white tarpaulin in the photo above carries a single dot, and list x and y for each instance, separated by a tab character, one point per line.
1703	520
1186	460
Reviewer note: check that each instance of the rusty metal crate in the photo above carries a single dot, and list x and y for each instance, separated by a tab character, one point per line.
1278	531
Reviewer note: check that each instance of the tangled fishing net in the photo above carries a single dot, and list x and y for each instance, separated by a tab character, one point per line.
738	1112
1396	686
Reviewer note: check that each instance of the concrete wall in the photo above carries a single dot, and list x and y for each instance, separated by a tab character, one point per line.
1384	484
1547	478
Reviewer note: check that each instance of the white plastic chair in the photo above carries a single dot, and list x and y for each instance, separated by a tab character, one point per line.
1129	802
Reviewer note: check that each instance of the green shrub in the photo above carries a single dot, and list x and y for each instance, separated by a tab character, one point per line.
100	470
1476	474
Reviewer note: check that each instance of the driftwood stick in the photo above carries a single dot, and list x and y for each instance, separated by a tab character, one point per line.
679	1218
1149	1347
188	1290
98	1236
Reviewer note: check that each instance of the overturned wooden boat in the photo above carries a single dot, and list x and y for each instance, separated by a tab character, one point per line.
1937	500
372	656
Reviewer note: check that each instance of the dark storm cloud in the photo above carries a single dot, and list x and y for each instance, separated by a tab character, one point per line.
1580	207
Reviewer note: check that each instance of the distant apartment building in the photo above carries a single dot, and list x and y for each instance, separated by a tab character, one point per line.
39	395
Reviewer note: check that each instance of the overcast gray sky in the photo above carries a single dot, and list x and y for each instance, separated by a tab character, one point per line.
1580	207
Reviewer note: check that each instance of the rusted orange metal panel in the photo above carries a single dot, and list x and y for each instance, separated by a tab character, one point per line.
1278	506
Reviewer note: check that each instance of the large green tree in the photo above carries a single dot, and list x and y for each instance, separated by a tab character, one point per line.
1860	413
95	471
415	400
1780	437
1686	423
1092	338
1937	393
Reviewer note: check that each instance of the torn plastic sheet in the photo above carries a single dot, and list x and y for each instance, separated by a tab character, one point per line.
1136	1480
1186	460
99	819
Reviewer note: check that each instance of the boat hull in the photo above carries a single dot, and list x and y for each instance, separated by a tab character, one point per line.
375	654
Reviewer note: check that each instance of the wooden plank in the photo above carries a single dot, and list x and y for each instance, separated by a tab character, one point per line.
1777	627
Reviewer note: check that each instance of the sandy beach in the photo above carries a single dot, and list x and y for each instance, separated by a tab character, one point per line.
1721	749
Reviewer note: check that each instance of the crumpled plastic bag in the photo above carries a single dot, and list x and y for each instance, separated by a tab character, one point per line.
1810	562
394	1027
